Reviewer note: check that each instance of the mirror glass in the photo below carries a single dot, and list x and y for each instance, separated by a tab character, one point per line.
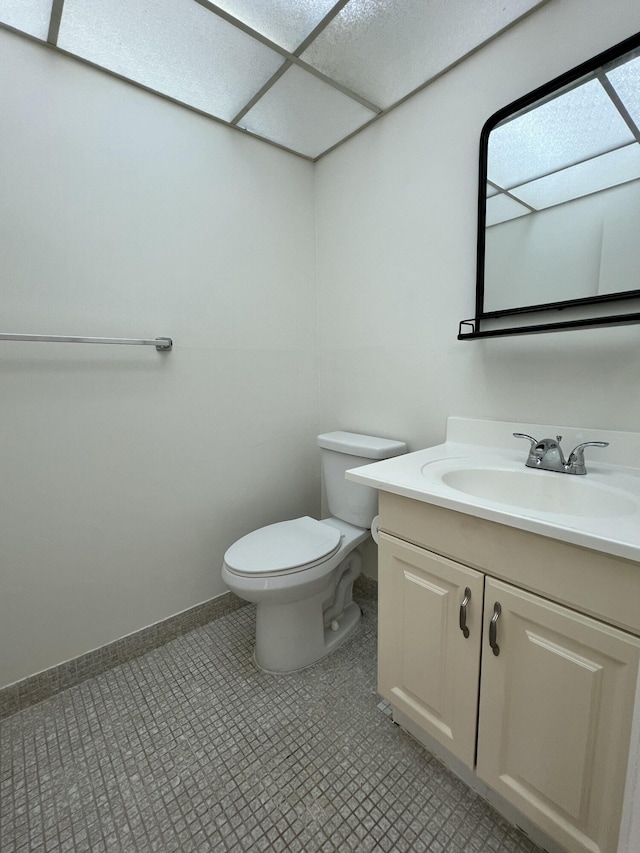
559	212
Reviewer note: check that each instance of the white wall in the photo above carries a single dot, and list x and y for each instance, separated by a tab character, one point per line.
125	473
396	223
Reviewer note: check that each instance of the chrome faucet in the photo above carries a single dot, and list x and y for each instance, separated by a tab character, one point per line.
547	454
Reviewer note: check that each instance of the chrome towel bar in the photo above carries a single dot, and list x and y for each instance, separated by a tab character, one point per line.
161	344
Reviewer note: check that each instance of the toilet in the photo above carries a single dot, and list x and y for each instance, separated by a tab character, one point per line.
300	573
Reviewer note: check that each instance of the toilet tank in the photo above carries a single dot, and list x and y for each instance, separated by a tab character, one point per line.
353	502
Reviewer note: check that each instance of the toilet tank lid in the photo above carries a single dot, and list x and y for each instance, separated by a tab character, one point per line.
367	446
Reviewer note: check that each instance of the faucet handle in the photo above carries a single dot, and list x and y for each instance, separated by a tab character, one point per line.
530	438
532	458
576	457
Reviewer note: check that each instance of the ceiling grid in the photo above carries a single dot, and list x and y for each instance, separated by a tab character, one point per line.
304	75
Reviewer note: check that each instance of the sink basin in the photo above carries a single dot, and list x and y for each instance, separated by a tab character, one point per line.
541	491
480	470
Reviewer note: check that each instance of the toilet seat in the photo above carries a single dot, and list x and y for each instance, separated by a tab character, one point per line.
283	548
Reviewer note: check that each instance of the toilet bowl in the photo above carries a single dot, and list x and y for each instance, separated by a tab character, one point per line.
300	572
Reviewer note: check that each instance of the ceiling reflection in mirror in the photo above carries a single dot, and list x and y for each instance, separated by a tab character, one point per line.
560	211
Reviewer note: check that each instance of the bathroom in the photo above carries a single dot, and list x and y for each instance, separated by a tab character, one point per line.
301	297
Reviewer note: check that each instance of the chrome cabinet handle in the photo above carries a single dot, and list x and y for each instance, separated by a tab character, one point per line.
463	612
493	628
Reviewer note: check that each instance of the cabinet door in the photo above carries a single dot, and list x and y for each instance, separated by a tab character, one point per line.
556	706
427	668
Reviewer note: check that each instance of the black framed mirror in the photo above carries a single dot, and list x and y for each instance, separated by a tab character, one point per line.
559	204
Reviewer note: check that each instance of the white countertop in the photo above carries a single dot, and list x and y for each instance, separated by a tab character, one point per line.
612	482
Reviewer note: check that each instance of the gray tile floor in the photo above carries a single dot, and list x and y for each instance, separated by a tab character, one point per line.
191	748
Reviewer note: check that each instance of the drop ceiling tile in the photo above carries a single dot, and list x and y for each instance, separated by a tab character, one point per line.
384	49
30	16
608	170
286	22
581	123
305	114
176	47
625	79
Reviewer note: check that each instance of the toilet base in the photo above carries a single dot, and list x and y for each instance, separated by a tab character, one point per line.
292	638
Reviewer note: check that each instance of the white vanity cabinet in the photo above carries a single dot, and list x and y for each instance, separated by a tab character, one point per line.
546	722
556	707
427	667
